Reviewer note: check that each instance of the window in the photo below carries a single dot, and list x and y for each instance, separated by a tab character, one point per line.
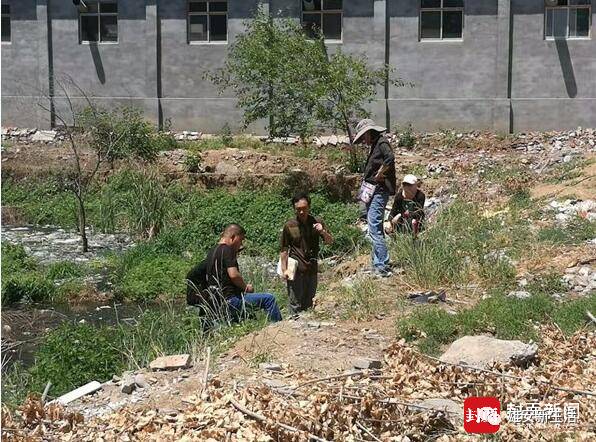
5	23
441	19
567	19
208	21
322	16
100	22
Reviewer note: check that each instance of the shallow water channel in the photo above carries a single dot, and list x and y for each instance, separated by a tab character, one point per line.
23	326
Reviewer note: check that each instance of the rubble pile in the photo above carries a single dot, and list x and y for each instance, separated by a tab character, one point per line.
571	208
581	279
410	397
31	135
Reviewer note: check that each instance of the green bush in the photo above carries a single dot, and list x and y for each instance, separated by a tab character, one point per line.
33	287
406	137
64	270
15	259
74	354
505	317
152	277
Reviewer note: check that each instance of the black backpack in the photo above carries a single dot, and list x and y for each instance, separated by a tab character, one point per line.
197	292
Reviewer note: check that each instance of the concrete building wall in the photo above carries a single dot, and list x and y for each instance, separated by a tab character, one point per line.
485	80
553	82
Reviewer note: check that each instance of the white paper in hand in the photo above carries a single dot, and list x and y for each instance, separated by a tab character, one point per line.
292	266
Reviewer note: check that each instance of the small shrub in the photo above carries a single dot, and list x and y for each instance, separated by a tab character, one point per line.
226	135
192	161
15	259
154	276
406	137
73	354
64	270
32	287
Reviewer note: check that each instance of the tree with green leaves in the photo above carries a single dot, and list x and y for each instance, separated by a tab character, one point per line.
280	74
275	72
110	135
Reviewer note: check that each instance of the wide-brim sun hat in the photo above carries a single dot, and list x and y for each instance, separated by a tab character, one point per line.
364	126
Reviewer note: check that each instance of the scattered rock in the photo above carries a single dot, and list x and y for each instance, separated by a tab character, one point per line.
128	385
44	135
140	381
519	294
172	362
428	297
267	366
367	364
483	351
452	410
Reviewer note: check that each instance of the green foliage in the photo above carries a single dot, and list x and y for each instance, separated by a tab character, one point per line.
119	134
32	287
269	84
406	136
296	93
74	354
16	382
576	231
64	270
152	277
192	161
506	318
15	259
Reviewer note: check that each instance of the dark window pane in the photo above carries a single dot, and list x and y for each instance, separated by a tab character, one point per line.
5	29
583	22
108	27
92	6
197	7
562	3
430	4
218	28
453	3
109	7
430	24
89	28
311	5
452	24
5	9
218	6
311	24
197	28
560	22
332	26
580	2
332	4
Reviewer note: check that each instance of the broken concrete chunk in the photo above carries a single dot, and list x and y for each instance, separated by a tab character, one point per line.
452	410
367	364
270	367
483	351
140	381
128	385
172	362
89	388
44	135
519	294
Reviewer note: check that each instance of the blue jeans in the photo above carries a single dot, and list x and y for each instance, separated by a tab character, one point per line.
263	301
375	217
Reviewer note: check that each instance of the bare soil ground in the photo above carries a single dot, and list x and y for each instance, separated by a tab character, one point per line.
326	342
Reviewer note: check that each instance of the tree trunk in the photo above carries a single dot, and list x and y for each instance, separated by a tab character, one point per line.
82	222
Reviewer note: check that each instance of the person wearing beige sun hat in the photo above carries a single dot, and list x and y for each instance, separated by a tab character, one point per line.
407	213
378	184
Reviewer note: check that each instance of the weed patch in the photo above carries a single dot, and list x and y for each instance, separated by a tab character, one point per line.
504	317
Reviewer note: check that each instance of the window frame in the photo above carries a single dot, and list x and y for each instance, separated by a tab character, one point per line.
568	7
321	13
442	9
98	14
7	15
208	14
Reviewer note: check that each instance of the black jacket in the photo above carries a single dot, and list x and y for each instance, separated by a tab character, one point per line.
415	207
381	153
